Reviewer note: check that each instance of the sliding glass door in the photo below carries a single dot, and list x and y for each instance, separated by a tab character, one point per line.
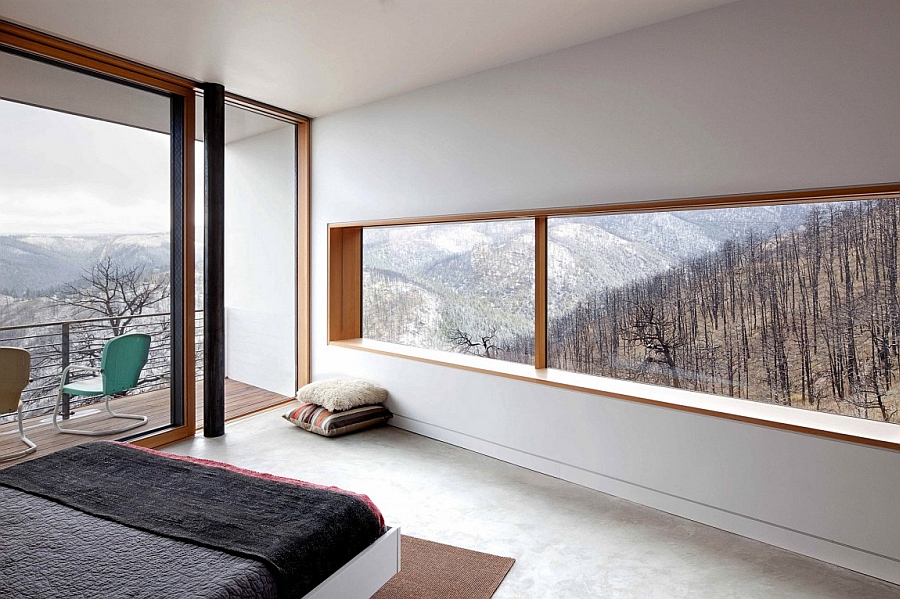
95	232
260	297
260	256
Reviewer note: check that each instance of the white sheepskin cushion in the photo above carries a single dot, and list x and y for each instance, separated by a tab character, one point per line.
336	395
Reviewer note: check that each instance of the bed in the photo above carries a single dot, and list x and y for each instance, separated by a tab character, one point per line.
108	520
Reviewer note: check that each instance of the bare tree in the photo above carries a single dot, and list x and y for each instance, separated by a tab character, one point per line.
480	345
117	293
657	335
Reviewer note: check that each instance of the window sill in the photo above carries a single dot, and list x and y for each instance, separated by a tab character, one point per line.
843	428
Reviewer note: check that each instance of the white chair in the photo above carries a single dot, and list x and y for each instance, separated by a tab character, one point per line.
15	372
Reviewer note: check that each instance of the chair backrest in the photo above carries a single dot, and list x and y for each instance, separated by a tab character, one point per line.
123	359
15	371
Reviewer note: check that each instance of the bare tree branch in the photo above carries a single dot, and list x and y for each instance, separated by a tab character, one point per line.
656	334
479	345
116	292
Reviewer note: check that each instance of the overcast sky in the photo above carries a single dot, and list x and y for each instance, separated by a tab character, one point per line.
64	174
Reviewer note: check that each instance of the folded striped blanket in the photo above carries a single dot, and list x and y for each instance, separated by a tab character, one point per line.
316	419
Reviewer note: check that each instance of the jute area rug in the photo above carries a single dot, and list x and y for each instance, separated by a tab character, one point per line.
430	570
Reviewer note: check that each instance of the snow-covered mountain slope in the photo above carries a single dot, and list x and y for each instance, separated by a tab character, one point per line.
39	264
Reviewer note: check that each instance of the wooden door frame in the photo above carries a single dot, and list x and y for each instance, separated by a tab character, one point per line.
66	54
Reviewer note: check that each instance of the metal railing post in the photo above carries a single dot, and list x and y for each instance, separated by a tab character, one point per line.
65	363
41	394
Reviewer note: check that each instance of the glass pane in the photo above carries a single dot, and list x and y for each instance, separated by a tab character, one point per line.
199	258
794	304
260	260
260	229
85	234
463	287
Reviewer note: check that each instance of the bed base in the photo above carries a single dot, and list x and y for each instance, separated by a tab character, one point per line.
362	576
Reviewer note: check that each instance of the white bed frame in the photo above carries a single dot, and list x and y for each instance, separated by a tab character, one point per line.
361	577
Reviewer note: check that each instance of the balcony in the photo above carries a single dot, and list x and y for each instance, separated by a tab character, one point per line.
54	345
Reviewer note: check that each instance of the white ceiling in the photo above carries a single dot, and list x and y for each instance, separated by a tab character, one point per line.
320	56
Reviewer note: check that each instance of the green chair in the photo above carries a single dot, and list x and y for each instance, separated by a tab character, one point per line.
15	372
120	366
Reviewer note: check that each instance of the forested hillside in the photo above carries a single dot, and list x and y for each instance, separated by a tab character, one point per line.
469	287
436	286
806	317
794	304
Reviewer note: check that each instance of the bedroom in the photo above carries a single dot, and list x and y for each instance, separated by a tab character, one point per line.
748	97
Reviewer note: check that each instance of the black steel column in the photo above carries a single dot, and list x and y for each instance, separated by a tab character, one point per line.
176	277
214	260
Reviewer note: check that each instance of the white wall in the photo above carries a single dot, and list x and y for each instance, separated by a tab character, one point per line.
260	290
753	96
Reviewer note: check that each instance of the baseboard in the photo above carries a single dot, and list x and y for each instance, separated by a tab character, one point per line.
839	554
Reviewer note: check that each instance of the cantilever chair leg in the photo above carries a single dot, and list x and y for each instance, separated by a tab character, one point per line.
120	367
141	420
15	369
18	454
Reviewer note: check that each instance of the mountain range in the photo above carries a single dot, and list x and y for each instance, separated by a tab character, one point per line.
40	265
460	271
476	276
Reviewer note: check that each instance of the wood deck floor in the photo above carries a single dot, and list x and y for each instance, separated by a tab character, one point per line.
240	399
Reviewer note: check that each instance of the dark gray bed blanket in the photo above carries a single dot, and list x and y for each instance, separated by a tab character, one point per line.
50	551
302	533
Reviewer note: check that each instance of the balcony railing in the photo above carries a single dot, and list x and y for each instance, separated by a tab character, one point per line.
55	345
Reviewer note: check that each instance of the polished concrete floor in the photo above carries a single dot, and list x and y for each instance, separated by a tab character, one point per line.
568	541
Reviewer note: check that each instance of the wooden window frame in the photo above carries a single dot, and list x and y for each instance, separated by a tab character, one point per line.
302	216
82	58
302	236
345	318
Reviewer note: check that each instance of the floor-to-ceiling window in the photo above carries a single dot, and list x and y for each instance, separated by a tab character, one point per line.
261	212
260	256
93	232
118	167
